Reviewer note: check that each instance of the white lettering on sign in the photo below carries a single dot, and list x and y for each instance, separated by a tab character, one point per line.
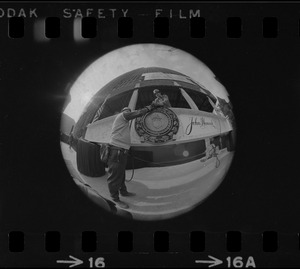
160	75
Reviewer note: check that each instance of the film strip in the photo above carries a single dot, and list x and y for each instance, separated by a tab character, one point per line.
149	134
161	26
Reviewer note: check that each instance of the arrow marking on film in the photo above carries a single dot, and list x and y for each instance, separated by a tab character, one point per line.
213	262
74	262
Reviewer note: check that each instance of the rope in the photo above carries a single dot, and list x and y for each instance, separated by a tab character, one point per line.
218	162
132	174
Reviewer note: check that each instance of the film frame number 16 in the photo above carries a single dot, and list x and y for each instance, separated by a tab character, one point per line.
97	262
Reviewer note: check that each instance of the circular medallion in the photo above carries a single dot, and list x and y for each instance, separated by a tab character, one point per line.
157	126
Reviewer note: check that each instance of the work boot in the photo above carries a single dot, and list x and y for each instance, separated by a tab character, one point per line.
127	194
121	204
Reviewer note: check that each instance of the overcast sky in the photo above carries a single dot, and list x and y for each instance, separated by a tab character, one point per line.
125	59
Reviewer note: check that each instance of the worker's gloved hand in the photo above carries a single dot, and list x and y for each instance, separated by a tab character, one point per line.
157	103
150	107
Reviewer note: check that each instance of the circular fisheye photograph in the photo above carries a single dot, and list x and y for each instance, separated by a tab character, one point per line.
148	132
